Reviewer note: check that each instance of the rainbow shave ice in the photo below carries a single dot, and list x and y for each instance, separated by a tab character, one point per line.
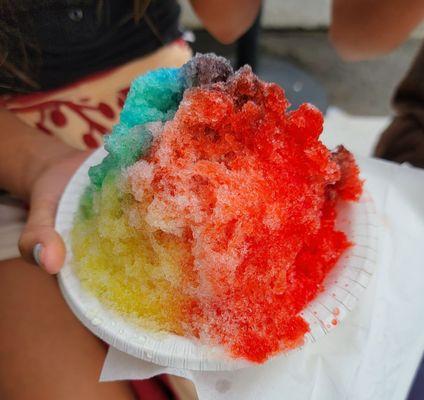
212	216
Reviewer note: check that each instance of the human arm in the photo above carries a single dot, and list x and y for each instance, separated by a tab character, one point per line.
36	168
362	29
226	20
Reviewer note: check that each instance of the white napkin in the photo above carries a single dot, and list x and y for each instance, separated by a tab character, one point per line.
374	352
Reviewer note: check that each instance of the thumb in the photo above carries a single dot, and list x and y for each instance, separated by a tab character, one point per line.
39	241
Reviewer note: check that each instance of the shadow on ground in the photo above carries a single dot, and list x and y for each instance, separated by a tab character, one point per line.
362	88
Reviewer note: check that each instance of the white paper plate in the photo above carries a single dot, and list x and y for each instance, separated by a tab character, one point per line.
343	288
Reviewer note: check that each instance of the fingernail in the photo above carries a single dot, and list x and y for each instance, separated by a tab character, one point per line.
36	253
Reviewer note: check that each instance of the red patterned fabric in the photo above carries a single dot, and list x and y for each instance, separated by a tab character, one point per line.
157	388
81	113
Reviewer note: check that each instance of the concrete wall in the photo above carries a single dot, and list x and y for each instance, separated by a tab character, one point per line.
286	14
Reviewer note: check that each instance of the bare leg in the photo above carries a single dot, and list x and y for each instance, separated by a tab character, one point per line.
45	353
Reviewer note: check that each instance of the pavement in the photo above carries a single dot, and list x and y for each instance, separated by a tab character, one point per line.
360	88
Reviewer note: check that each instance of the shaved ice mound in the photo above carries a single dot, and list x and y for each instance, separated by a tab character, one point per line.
213	215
